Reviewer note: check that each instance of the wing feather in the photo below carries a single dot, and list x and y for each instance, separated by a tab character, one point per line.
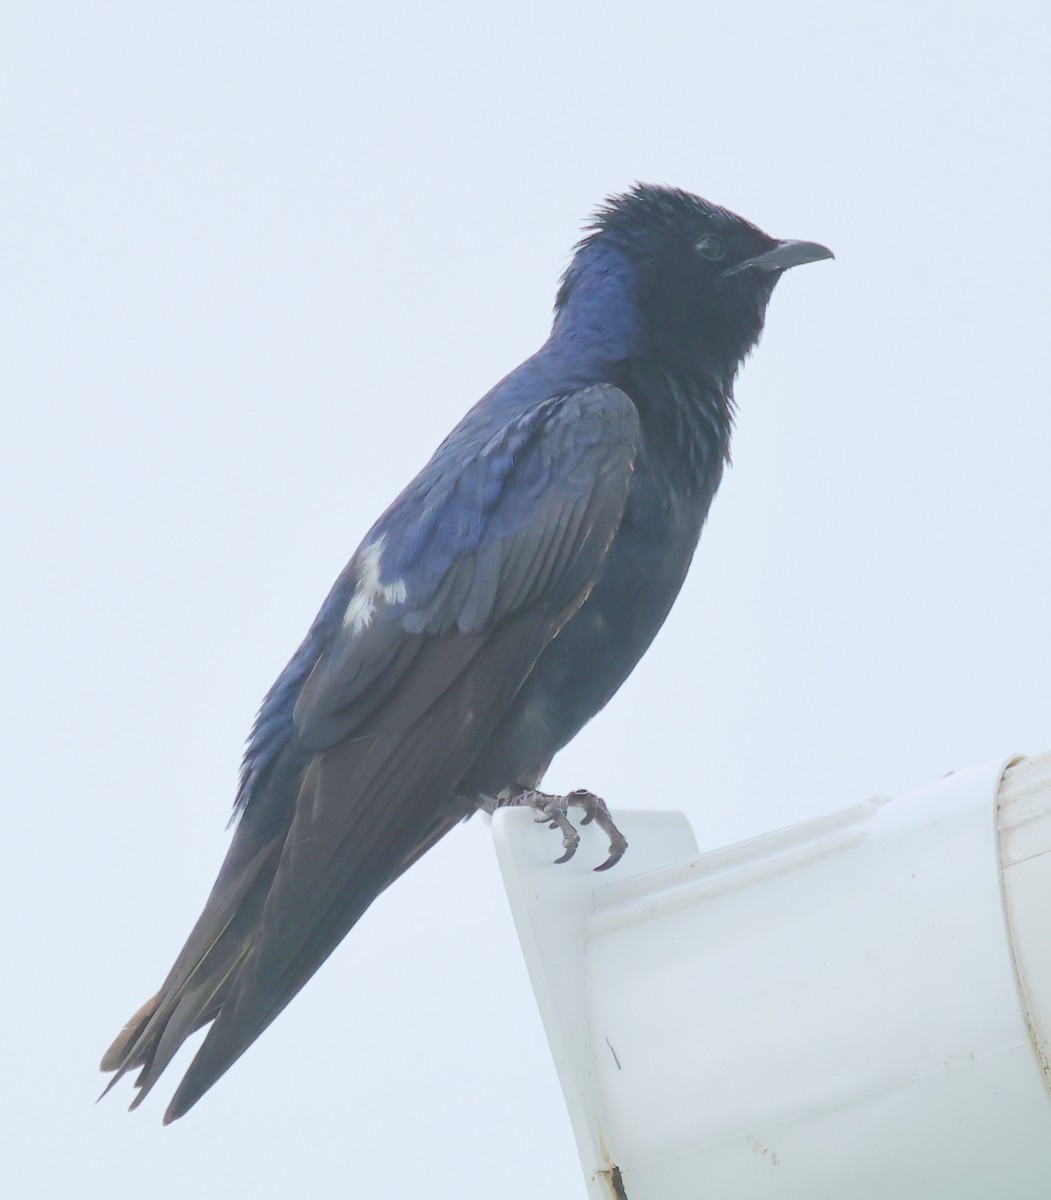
471	577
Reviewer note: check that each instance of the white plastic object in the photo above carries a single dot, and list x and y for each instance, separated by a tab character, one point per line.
828	1011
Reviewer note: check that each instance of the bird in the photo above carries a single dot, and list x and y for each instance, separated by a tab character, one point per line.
491	611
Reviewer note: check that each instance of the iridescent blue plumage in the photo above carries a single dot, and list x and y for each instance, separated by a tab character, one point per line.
489	613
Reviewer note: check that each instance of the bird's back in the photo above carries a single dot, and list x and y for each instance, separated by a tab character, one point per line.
492	610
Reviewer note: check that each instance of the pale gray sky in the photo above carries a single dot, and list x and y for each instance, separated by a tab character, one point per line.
256	260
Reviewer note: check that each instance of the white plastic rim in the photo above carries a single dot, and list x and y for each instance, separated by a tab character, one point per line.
858	1006
1024	823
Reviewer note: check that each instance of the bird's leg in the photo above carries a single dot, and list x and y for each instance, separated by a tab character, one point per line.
554	811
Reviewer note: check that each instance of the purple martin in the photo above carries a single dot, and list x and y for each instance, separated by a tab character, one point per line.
489	613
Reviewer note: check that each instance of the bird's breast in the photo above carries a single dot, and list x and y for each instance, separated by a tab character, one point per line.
598	647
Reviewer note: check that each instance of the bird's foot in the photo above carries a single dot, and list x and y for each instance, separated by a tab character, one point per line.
554	812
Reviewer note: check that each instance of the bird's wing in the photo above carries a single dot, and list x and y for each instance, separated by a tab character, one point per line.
457	590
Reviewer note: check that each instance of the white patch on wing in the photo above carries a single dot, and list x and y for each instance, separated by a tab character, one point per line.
370	591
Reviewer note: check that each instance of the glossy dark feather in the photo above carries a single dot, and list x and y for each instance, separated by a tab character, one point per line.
490	612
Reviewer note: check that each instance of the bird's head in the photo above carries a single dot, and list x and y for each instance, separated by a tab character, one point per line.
662	273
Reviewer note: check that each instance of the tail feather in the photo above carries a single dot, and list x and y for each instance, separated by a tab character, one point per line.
303	868
195	1008
257	992
194	990
117	1055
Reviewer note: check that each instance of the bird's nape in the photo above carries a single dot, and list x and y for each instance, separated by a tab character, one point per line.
493	609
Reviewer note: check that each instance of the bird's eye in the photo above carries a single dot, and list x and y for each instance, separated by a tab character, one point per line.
710	247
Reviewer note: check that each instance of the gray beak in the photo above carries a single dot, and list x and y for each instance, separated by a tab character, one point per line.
784	255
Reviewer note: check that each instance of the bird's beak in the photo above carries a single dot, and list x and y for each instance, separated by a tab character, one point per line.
784	255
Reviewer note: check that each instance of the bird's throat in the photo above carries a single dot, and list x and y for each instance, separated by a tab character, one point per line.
686	419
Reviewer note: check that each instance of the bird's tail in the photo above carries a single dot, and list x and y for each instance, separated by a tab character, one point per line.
197	984
299	875
215	953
